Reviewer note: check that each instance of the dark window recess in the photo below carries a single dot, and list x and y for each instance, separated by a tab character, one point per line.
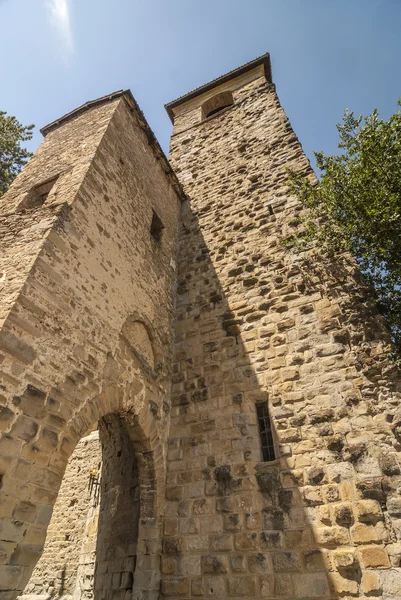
37	196
265	431
156	227
216	110
271	211
217	103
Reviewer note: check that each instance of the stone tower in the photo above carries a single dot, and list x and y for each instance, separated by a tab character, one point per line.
282	468
254	457
87	262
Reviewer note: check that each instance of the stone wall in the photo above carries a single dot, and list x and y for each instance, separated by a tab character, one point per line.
119	510
87	307
257	322
87	276
56	572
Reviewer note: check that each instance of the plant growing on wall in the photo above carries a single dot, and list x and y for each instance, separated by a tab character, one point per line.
12	155
356	206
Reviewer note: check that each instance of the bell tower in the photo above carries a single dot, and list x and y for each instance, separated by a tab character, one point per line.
279	438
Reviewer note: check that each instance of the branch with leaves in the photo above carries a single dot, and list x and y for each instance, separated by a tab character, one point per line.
356	206
12	155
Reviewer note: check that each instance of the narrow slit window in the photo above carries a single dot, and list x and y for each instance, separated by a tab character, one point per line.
265	432
270	208
156	227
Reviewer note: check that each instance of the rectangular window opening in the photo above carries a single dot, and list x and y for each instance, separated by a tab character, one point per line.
265	432
156	227
43	190
38	195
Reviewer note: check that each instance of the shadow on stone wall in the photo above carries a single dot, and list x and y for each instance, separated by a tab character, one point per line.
123	519
315	522
119	512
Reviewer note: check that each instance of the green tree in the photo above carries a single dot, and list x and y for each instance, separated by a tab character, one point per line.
12	155
356	206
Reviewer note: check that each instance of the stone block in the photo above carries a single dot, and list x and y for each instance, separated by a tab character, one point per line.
246	541
368	511
197	543
214	564
215	586
25	554
343	559
394	506
169	565
373	557
316	560
343	585
174	493
12	531
271	539
283	585
370	583
175	586
394	552
241	586
286	561
17	347
188	526
233	522
25	511
311	585
343	514
6	550
197	587
10	577
221	543
364	534
312	496
266	586
391	583
237	563
331	536
115	581
259	563
253	520
127	580
170	526
172	546
25	428
188	565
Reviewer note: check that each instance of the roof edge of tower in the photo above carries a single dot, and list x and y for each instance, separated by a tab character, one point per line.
261	60
81	109
134	107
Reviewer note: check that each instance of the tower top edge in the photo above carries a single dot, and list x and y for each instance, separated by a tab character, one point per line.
84	108
143	124
263	60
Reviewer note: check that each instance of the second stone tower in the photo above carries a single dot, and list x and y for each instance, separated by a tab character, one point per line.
279	439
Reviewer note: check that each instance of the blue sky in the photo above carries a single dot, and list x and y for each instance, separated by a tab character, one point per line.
326	55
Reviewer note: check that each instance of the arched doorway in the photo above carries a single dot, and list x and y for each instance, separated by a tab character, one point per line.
103	541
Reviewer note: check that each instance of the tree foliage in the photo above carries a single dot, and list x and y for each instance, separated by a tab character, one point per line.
356	206
12	155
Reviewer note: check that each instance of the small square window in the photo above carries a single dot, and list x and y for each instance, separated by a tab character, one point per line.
156	227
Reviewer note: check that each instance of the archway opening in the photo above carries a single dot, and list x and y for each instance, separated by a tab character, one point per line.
119	512
91	547
217	103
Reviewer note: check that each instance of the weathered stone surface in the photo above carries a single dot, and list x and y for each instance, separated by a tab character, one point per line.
86	313
256	322
92	282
